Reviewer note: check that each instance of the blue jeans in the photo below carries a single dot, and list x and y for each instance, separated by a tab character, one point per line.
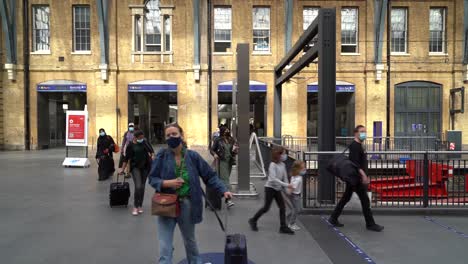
166	226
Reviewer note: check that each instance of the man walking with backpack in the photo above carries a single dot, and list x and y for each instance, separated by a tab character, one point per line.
359	157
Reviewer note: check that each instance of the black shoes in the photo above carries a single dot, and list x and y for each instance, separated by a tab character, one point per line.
375	228
335	223
253	225
286	230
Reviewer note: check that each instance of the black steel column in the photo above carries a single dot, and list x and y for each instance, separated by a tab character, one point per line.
243	113
326	100
277	103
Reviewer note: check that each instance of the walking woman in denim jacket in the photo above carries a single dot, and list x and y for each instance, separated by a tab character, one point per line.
178	160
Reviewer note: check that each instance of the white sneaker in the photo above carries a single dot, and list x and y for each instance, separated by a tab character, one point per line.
294	227
135	212
230	204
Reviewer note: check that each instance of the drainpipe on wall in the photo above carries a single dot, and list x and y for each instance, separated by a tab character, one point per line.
210	72
389	10
196	40
27	134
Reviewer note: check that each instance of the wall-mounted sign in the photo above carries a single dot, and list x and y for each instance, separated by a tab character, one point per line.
56	88
339	88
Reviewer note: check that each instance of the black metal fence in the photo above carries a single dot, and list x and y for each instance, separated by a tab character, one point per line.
422	179
422	143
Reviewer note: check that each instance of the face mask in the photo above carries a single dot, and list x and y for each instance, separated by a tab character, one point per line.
102	134
140	140
131	129
174	142
362	136
303	173
284	157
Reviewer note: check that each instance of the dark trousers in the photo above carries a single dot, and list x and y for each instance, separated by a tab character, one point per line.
361	191
106	167
139	179
271	194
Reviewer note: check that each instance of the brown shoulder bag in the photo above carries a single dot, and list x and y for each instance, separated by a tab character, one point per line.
164	204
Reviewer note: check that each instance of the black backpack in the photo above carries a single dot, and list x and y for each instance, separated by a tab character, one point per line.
342	167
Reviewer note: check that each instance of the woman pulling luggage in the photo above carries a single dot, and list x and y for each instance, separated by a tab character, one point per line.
139	154
177	171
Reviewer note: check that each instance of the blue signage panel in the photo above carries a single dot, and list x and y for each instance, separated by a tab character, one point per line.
72	88
152	88
258	88
339	88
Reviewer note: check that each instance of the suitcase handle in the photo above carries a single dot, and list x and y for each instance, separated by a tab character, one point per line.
214	210
118	176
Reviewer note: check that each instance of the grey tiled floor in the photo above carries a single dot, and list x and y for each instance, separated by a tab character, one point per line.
55	215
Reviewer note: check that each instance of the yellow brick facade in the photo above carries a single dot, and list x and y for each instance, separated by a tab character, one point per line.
105	97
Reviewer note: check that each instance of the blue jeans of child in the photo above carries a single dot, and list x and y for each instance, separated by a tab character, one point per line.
166	227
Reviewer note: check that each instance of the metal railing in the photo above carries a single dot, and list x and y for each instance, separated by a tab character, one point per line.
422	143
424	179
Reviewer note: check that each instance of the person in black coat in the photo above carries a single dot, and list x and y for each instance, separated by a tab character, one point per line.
358	156
104	157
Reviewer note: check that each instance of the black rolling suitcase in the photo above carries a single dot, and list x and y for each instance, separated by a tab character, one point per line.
235	249
119	193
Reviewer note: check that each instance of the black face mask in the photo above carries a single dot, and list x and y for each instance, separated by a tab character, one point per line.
174	142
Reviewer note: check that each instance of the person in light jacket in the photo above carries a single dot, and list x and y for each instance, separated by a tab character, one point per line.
277	182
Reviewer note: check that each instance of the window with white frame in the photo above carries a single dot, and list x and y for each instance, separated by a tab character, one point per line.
437	30
309	14
167	33
152	27
399	33
157	29
222	29
349	30
81	28
41	28
261	29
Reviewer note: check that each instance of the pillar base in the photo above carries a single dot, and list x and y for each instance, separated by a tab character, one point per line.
252	193
196	72
465	73
11	70
378	71
104	71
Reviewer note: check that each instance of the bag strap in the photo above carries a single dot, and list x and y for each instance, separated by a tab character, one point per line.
214	210
346	149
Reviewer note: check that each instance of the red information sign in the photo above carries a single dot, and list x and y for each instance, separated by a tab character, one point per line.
76	127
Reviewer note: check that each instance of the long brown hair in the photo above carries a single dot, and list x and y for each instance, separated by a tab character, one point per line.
181	131
276	154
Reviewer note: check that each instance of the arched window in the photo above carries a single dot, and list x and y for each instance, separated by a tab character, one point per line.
157	27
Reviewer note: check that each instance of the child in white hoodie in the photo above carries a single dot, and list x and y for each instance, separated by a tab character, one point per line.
298	171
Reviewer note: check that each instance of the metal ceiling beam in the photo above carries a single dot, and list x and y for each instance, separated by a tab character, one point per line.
303	62
303	41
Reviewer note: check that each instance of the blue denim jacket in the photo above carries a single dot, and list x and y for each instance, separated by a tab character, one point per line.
163	168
